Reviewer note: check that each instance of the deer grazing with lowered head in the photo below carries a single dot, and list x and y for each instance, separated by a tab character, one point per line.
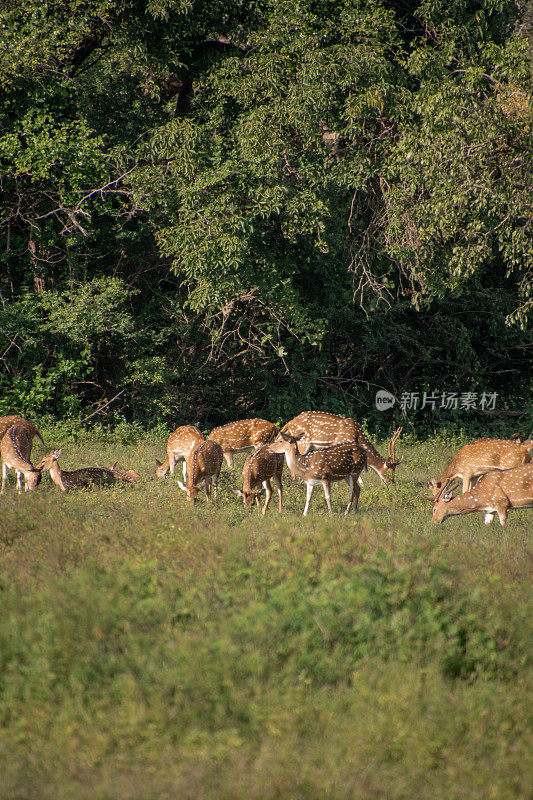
320	429
343	461
203	468
180	444
245	434
15	452
494	493
84	477
479	457
259	469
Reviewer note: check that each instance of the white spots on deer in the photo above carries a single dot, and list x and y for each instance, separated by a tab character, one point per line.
242	435
495	492
180	444
479	457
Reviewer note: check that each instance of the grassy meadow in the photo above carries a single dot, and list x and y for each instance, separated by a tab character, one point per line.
153	650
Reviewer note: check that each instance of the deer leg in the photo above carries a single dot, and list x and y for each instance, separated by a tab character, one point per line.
184	470
215	484
310	489
467	480
279	487
349	481
268	490
4	477
355	491
19	481
228	455
207	488
489	516
502	515
327	494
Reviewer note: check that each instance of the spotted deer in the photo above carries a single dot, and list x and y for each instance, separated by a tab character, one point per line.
15	452
180	444
203	464
337	462
322	429
245	434
494	493
81	478
479	457
259	469
128	475
15	419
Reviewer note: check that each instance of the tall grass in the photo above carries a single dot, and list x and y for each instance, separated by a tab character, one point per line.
153	650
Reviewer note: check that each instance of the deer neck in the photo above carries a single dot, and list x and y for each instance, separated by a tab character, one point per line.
462	505
295	461
56	475
373	459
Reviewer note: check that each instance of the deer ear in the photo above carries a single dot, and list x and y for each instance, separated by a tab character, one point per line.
157	462
56	453
299	436
446	497
239	492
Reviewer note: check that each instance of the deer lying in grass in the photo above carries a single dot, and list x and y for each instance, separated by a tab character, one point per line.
259	468
15	452
321	429
81	478
339	462
180	444
494	493
479	457
128	475
245	434
203	464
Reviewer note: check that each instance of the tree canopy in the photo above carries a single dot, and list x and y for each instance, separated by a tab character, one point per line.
263	205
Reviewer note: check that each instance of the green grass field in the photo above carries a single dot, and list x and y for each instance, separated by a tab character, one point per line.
153	650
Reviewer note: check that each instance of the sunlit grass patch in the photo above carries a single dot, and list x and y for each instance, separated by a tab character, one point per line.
149	647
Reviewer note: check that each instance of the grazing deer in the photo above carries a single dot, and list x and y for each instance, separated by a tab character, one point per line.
494	493
322	429
14	419
80	478
343	461
183	441
258	469
15	451
245	434
203	463
483	455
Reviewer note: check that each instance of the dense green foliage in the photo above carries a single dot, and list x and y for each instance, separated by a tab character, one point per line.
148	649
263	205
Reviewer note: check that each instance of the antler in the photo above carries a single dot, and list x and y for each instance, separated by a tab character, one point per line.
394	439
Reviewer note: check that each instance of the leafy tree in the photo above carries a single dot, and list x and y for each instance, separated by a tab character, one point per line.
261	205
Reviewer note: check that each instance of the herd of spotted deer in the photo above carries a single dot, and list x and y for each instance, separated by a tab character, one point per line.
318	447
